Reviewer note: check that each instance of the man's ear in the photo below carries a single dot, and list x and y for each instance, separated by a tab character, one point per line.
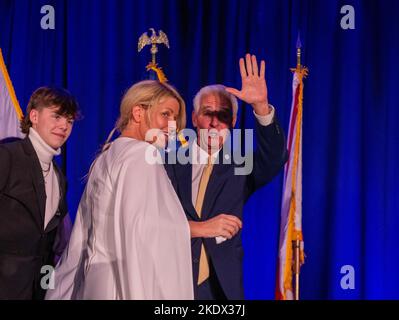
34	116
137	114
194	118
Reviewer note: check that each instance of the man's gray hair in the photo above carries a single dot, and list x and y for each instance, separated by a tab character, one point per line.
218	89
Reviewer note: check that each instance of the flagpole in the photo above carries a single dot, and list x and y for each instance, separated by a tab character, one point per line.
291	245
298	53
296	245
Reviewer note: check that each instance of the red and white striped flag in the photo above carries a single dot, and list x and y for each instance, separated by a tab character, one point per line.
291	206
10	111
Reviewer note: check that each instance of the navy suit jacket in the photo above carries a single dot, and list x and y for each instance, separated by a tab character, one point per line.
226	193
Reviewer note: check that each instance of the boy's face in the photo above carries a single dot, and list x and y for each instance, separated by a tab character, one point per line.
53	128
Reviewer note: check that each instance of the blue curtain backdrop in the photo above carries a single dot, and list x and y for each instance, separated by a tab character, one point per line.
350	142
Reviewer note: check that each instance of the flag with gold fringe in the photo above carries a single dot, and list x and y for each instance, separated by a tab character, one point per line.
291	249
10	111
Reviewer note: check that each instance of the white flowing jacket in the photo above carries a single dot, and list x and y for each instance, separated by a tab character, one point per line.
131	238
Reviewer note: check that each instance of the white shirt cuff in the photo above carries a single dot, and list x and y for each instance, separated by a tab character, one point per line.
267	119
220	239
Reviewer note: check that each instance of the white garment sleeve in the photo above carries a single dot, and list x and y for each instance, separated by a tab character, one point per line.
66	278
152	236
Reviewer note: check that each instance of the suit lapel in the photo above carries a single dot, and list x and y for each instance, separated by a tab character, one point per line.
216	181
184	178
37	181
61	210
220	173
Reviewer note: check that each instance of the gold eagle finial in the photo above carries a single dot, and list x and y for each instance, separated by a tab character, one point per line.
153	40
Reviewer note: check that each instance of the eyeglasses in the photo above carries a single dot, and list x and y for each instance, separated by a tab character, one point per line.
224	115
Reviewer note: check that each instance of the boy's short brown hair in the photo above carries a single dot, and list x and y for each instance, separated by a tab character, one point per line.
46	97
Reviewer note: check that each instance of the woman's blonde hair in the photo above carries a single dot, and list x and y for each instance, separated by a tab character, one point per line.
149	93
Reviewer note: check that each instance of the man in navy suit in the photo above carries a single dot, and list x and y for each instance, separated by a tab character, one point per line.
211	190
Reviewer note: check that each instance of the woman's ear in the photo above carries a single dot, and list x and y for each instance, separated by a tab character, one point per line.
137	114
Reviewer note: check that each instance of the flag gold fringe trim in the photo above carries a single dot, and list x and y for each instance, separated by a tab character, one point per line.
10	87
294	234
158	70
182	139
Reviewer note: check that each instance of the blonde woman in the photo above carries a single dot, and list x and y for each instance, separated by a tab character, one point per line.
131	239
